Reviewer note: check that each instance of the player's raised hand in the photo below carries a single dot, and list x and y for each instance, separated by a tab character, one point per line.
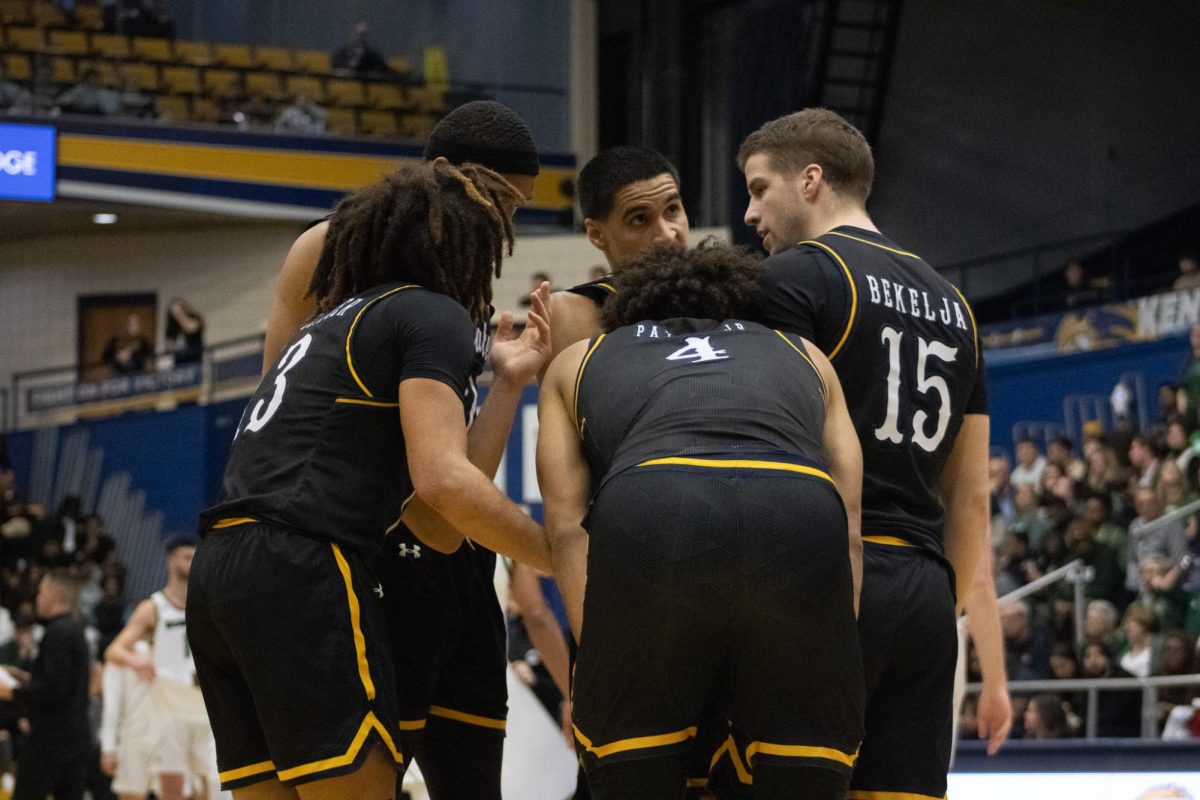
517	359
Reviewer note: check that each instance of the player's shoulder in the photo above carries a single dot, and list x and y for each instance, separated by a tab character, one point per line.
425	304
797	262
597	290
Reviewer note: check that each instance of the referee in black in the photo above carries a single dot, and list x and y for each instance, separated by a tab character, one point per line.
57	752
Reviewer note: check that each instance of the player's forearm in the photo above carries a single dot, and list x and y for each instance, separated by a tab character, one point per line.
856	565
983	623
111	709
569	546
547	637
466	499
430	527
488	436
966	532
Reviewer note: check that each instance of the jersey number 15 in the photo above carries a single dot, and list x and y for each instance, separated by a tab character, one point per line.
889	431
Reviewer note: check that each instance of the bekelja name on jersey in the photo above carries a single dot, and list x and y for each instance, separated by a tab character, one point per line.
916	302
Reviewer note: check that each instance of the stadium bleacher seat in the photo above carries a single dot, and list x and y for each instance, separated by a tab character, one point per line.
17	67
145	76
25	38
48	15
205	109
152	49
107	70
346	92
181	80
340	120
234	55
278	59
171	107
195	53
306	85
62	69
110	45
428	99
379	123
90	17
314	61
263	84
71	43
16	12
387	97
221	81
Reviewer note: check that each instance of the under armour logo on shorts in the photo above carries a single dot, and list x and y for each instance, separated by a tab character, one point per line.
407	550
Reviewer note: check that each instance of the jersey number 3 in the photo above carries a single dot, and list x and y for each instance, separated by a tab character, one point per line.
889	431
260	417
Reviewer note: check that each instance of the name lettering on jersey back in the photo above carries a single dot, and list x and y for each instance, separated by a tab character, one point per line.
916	302
337	312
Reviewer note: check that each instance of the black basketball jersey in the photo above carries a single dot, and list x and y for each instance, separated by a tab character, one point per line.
319	448
690	387
905	346
597	291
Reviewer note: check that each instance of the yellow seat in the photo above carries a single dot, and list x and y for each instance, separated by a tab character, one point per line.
346	93
340	120
234	55
379	123
205	109
398	64
314	61
181	80
152	48
417	126
26	38
74	43
106	69
428	99
63	69
221	81
48	15
16	12
90	17
387	96
172	107
274	58
16	67
145	76
110	45
306	85
196	53
264	84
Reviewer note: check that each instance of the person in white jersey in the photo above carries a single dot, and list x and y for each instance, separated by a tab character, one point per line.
183	741
126	730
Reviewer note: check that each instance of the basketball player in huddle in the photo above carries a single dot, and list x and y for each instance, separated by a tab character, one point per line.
183	743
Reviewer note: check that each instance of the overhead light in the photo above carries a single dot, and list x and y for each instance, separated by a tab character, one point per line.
104	219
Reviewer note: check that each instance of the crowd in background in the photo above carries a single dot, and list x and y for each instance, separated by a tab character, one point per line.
1111	503
32	544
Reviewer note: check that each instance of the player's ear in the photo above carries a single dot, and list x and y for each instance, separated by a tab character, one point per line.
595	234
812	179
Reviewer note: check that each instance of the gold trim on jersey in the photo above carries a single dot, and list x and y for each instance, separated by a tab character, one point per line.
800	352
853	296
735	758
608	286
904	253
369	723
860	794
800	751
231	522
974	327
579	379
721	463
636	743
697	783
890	541
354	324
470	719
360	641
231	775
354	401
412	724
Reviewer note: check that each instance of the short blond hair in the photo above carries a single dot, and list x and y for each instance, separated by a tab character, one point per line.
816	136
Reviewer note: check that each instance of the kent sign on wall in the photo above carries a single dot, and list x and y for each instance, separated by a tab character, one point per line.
27	160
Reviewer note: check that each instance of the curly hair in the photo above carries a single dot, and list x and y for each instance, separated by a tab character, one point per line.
713	281
442	227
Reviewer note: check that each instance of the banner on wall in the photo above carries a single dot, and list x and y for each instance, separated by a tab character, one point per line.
1143	320
63	395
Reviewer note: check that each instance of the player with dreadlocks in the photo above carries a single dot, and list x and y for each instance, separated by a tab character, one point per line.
285	616
443	613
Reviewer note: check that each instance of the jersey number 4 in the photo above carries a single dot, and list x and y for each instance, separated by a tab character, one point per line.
889	431
259	417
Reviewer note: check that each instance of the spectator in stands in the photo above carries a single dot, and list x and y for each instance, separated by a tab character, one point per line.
97	546
17	541
1001	488
1027	643
185	332
535	280
1151	536
67	526
1118	713
1173	488
1097	512
1139	656
129	353
90	97
133	101
109	614
1061	451
1014	562
1104	474
1046	718
302	116
1027	515
1077	291
1167	602
1108	576
1030	464
358	57
1189	275
1178	657
1144	455
1100	623
138	18
1189	379
1178	444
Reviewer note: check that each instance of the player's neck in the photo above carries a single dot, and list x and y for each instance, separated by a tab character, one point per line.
849	215
176	592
